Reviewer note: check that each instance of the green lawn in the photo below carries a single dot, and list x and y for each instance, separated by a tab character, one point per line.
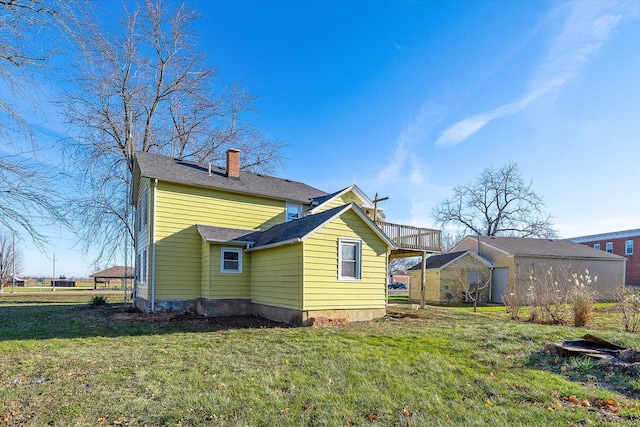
65	363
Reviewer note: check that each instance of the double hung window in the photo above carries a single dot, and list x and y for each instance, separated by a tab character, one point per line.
350	256
231	260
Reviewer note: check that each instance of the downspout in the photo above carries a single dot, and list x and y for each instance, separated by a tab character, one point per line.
153	248
491	284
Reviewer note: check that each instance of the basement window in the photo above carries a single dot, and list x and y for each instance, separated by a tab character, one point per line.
350	259
231	260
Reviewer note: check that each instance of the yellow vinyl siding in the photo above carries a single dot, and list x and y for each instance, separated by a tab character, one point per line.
205	269
345	199
277	276
143	240
178	243
322	288
228	285
219	208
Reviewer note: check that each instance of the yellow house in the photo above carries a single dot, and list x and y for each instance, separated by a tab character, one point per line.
221	242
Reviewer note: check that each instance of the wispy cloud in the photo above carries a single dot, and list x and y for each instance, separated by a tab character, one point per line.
584	27
404	155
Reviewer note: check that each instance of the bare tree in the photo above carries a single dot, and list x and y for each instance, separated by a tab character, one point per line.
10	260
402	265
29	33
499	202
27	195
450	239
148	87
472	282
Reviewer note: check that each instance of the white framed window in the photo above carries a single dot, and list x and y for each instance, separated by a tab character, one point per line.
628	247
231	260
144	266
349	259
142	212
294	210
138	268
596	246
609	247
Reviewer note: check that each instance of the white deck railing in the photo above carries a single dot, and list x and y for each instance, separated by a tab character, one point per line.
407	237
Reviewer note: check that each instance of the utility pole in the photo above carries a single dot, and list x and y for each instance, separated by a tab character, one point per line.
13	263
53	276
375	206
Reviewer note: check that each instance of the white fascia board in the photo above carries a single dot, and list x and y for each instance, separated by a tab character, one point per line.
366	201
371	225
275	245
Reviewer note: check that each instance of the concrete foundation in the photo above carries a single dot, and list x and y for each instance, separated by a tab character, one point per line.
350	315
223	307
244	307
277	314
177	306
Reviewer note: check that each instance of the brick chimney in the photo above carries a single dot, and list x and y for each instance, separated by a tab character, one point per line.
233	163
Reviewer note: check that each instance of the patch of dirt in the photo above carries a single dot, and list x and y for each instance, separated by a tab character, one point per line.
192	319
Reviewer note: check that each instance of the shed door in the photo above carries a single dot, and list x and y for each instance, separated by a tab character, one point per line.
500	284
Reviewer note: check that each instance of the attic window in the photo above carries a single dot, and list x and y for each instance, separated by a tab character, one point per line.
294	210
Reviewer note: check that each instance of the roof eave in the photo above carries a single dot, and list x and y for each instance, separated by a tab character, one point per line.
276	244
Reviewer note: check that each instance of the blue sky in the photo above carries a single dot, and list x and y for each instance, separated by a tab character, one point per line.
408	99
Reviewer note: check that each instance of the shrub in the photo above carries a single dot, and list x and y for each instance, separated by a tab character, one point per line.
97	300
582	310
514	304
583	299
628	300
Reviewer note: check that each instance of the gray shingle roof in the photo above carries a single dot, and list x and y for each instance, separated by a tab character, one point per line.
280	233
437	261
320	200
296	229
185	172
545	247
228	235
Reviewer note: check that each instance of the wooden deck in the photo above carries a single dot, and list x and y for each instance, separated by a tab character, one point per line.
410	240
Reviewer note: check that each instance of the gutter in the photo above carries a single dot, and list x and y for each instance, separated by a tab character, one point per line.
153	249
274	245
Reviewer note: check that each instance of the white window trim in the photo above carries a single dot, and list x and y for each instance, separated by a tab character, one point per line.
286	211
606	247
144	260
236	250
143	210
358	244
626	247
596	246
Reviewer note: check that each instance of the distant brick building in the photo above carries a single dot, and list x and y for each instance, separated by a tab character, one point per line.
623	243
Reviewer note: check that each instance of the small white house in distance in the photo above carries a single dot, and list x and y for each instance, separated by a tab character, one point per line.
516	259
